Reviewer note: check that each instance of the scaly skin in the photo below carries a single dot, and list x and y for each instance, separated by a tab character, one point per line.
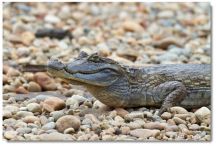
186	85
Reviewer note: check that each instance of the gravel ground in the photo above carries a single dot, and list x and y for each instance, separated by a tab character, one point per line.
39	107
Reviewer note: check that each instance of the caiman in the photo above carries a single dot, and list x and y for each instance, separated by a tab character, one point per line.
117	85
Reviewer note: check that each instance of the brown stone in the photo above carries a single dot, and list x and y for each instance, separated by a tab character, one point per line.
53	103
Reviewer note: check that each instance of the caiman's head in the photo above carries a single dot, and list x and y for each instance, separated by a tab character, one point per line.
87	69
106	79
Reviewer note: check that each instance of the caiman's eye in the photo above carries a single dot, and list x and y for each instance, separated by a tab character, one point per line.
94	58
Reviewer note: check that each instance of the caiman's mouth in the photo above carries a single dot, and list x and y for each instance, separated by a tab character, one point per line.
101	76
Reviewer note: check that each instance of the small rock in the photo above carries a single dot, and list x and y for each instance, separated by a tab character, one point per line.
11	108
171	128
133	115
155	125
178	110
166	116
179	121
121	112
7	114
125	130
119	119
42	97
51	19
48	126
53	103
12	72
171	134
57	114
166	42
10	135
165	14
182	116
194	127
69	131
134	125
21	90
107	137
144	133
184	129
55	136
67	121
23	114
23	108
92	118
132	26
9	122
23	130
34	87
34	107
203	115
94	137
100	106
27	37
31	119
43	120
72	103
46	82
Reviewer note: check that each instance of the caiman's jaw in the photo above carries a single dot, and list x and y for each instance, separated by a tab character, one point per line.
86	70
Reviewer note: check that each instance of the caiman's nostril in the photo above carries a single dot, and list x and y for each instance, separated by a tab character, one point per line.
55	64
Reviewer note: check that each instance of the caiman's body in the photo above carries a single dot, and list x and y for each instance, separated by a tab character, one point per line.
187	85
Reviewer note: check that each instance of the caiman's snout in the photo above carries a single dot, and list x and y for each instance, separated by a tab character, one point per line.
55	64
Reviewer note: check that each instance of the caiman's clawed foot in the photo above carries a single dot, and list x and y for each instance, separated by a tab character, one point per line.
164	108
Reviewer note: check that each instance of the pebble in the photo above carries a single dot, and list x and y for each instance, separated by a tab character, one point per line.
55	136
31	119
166	14
45	82
10	135
134	125
7	114
194	127
100	106
155	125
43	120
178	120
52	19
21	90
204	115
69	131
125	130
23	114
34	107
121	112
34	87
57	114
20	124
27	37
9	122
67	121
108	138
166	42
92	118
144	133
23	130
132	26
166	115
11	108
53	104
48	126
178	110
41	97
133	115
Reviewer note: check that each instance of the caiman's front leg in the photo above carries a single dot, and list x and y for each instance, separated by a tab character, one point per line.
174	92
